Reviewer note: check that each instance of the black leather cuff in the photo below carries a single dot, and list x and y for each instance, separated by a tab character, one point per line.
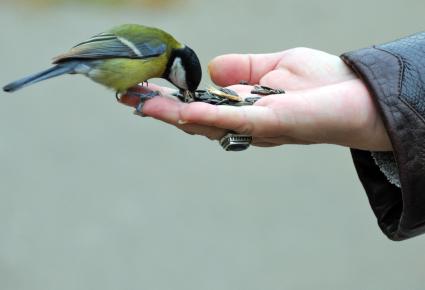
395	75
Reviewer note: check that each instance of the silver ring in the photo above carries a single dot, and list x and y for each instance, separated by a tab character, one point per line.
235	142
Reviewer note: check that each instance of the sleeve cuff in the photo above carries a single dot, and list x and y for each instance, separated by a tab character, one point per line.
386	163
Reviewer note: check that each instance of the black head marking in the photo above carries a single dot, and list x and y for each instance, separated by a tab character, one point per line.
191	65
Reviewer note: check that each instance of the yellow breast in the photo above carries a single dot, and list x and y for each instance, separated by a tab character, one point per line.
121	74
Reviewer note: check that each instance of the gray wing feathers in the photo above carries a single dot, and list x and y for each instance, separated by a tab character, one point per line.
107	46
147	49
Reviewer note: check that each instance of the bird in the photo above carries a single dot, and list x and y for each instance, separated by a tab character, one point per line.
124	57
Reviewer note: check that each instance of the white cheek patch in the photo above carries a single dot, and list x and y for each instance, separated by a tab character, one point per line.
178	74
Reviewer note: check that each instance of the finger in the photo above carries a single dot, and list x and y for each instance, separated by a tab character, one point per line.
177	113
211	133
280	140
230	69
282	79
168	110
244	120
133	100
164	109
260	144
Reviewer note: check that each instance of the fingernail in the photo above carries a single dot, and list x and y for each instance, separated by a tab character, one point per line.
182	122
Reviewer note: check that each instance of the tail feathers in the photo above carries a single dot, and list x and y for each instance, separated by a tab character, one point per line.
57	70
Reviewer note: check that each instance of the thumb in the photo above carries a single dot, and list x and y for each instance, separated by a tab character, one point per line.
230	69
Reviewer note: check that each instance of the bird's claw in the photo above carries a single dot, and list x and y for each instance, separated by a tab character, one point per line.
118	96
143	97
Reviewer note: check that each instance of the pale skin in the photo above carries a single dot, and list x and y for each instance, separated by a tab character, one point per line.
325	102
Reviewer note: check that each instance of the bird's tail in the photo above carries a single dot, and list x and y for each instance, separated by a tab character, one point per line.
55	71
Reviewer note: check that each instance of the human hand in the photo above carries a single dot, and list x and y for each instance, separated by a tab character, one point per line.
325	102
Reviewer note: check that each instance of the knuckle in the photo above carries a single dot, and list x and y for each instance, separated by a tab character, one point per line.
246	128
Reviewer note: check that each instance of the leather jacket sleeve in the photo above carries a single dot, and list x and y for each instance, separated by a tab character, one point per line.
395	76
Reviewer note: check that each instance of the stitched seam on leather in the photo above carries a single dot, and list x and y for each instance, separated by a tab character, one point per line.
400	60
401	64
411	108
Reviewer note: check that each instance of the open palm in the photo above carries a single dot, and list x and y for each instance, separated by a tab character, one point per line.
325	102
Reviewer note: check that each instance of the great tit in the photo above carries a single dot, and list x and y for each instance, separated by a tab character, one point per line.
124	57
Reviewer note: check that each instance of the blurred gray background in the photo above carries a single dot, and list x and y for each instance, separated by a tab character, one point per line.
93	197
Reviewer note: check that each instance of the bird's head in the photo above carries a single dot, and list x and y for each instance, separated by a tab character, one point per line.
184	69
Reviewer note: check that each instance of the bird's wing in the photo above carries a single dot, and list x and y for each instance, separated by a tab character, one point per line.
108	45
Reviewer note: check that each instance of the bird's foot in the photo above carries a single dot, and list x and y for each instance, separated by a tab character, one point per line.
143	97
118	96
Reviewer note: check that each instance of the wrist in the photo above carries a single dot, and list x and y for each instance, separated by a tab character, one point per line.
366	129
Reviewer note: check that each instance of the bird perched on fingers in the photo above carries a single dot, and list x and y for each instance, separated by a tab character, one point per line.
124	57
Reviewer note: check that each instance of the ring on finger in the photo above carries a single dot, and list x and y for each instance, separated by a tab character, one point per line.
235	142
